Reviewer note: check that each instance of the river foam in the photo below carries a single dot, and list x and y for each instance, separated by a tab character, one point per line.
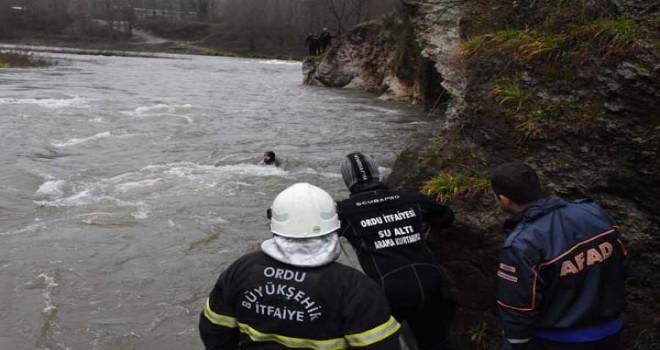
51	189
280	62
77	141
52	103
161	110
85	198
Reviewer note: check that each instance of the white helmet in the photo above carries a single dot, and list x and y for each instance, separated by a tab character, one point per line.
303	211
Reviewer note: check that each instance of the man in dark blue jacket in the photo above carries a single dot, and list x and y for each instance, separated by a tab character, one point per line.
561	270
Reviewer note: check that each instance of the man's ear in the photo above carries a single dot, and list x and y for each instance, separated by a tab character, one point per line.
503	200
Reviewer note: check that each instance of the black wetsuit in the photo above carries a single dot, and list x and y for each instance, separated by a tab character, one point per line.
273	162
386	229
272	159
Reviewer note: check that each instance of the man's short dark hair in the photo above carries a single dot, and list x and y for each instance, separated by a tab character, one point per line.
517	181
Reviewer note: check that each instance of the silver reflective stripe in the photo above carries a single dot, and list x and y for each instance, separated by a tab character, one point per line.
294	343
518	341
218	319
375	334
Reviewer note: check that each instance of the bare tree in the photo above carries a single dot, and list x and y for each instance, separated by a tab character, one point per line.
7	17
358	7
338	9
247	18
202	7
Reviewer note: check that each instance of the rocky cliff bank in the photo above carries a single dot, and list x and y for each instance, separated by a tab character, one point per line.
571	88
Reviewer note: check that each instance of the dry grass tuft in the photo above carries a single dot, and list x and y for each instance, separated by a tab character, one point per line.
13	59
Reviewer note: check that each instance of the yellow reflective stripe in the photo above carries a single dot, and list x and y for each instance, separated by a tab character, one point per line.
294	343
218	319
369	337
374	335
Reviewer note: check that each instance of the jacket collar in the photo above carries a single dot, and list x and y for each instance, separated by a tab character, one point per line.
536	210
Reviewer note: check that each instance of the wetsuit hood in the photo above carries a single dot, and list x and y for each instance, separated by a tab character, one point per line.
357	168
367	186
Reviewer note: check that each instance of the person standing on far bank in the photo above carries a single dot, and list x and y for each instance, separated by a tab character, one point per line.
292	294
326	39
561	272
386	230
313	43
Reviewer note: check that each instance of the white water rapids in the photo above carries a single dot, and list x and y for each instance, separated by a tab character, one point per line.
127	184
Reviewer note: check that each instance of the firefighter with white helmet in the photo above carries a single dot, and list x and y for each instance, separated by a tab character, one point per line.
292	293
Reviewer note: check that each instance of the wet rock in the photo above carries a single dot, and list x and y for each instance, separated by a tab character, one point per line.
600	141
371	58
309	71
614	107
334	74
437	29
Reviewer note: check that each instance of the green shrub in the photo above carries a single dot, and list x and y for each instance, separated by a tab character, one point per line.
511	93
478	335
448	187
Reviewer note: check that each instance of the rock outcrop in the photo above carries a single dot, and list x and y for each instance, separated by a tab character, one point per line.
573	90
436	25
380	56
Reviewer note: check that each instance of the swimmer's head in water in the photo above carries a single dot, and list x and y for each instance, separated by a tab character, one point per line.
269	157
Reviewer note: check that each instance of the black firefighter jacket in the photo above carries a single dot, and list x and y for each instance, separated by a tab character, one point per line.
261	303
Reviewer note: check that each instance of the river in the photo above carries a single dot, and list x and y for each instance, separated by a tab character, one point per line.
128	184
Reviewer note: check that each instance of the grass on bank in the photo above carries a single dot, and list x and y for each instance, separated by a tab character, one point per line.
534	117
478	336
538	118
543	63
512	93
557	45
13	59
449	187
551	53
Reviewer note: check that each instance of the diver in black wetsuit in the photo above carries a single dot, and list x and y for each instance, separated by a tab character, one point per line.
387	231
269	159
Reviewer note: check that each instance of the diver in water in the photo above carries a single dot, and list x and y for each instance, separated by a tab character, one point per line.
269	159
